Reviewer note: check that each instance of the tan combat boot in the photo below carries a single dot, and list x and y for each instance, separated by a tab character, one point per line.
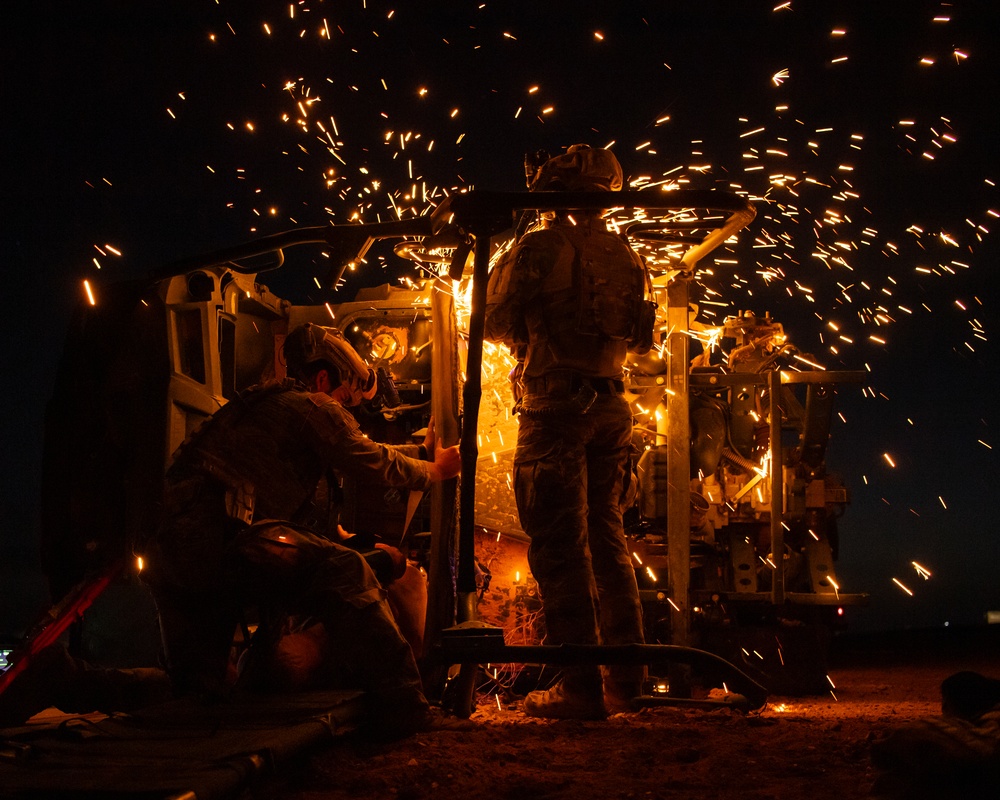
568	699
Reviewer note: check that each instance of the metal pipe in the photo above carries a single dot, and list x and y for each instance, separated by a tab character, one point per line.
472	395
346	242
678	428
444	408
472	649
482	204
738	220
777	490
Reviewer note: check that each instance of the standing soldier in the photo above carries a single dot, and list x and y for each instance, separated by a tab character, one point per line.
569	300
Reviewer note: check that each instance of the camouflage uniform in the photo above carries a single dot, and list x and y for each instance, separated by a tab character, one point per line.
559	298
954	755
263	454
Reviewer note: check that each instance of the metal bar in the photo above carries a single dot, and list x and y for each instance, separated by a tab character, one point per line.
258	247
777	491
736	222
481	204
678	441
444	408
349	241
791	598
487	650
751	379
839	376
57	621
352	241
472	395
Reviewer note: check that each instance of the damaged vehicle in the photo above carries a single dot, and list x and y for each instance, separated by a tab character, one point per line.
732	515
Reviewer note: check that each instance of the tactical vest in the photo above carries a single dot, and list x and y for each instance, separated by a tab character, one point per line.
607	298
250	446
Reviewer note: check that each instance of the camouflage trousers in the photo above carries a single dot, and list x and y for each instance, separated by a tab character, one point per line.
569	475
939	757
282	570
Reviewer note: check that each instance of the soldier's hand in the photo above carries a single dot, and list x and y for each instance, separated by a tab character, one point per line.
447	463
344	535
429	437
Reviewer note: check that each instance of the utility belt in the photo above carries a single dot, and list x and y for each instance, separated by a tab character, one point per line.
580	391
565	382
206	484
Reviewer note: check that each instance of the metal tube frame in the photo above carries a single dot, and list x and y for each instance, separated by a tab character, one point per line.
777	489
481	214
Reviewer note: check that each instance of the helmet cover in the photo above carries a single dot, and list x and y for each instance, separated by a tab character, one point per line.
309	345
580	169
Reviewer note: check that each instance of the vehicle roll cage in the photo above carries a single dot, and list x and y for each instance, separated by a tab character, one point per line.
700	221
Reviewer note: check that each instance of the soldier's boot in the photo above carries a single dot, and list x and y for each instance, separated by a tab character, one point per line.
381	662
622	685
579	694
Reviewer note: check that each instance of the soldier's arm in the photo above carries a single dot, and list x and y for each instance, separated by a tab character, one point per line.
340	443
514	283
502	302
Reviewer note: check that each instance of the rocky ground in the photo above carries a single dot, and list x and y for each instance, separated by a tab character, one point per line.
813	747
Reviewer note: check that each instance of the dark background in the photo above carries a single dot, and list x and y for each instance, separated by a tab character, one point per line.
117	132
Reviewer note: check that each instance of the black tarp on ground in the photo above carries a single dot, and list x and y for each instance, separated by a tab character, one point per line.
180	749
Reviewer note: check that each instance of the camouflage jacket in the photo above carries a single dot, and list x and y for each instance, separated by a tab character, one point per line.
271	446
566	298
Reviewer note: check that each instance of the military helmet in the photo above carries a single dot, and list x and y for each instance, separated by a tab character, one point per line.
313	346
580	169
305	346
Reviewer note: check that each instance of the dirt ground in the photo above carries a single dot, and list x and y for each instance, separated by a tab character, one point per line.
796	747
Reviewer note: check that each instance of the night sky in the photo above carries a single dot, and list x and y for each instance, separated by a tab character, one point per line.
865	132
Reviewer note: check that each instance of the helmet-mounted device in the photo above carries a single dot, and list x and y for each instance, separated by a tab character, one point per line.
309	345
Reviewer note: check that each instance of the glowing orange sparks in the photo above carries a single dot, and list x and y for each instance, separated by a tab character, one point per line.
922	571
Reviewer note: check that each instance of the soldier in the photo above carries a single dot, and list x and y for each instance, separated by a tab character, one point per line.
569	301
956	754
231	532
232	536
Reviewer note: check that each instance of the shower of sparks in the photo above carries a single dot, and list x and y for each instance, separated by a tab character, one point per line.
900	584
360	137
